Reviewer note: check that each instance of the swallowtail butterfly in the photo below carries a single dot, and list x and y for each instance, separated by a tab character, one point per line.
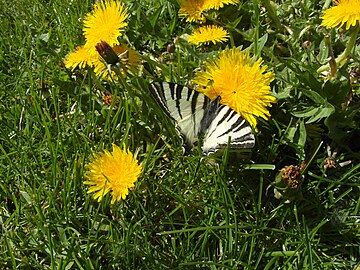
195	115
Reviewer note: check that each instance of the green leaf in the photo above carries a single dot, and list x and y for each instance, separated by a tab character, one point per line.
155	17
323	52
262	41
322	109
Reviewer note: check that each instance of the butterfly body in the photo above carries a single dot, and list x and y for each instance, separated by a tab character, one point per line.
196	115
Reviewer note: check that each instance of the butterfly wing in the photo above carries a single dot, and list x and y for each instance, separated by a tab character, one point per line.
184	105
227	123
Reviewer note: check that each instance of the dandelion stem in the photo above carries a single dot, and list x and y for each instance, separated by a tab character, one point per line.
342	58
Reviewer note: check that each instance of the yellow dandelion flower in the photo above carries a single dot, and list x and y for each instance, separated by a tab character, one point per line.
128	56
79	58
207	34
104	23
240	81
345	12
217	4
102	69
192	10
114	172
128	60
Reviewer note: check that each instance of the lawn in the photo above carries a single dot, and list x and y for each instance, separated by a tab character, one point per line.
290	202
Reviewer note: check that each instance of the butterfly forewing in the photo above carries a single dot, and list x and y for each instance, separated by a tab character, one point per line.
184	105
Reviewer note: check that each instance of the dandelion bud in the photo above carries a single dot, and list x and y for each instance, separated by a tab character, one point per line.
170	48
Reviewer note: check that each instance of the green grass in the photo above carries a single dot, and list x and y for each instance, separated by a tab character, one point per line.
223	215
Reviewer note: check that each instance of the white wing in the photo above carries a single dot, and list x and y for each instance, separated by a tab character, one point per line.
184	105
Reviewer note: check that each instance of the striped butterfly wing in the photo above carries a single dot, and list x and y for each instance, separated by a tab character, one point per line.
195	114
186	106
227	123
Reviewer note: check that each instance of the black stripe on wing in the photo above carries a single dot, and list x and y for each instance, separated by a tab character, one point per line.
157	91
166	93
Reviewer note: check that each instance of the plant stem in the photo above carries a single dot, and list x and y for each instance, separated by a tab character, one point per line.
342	58
327	4
272	14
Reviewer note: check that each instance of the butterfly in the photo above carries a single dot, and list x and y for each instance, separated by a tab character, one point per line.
196	115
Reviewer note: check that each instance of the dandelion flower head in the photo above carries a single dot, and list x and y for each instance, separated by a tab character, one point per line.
114	172
345	12
104	23
240	81
80	57
207	34
217	4
193	9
